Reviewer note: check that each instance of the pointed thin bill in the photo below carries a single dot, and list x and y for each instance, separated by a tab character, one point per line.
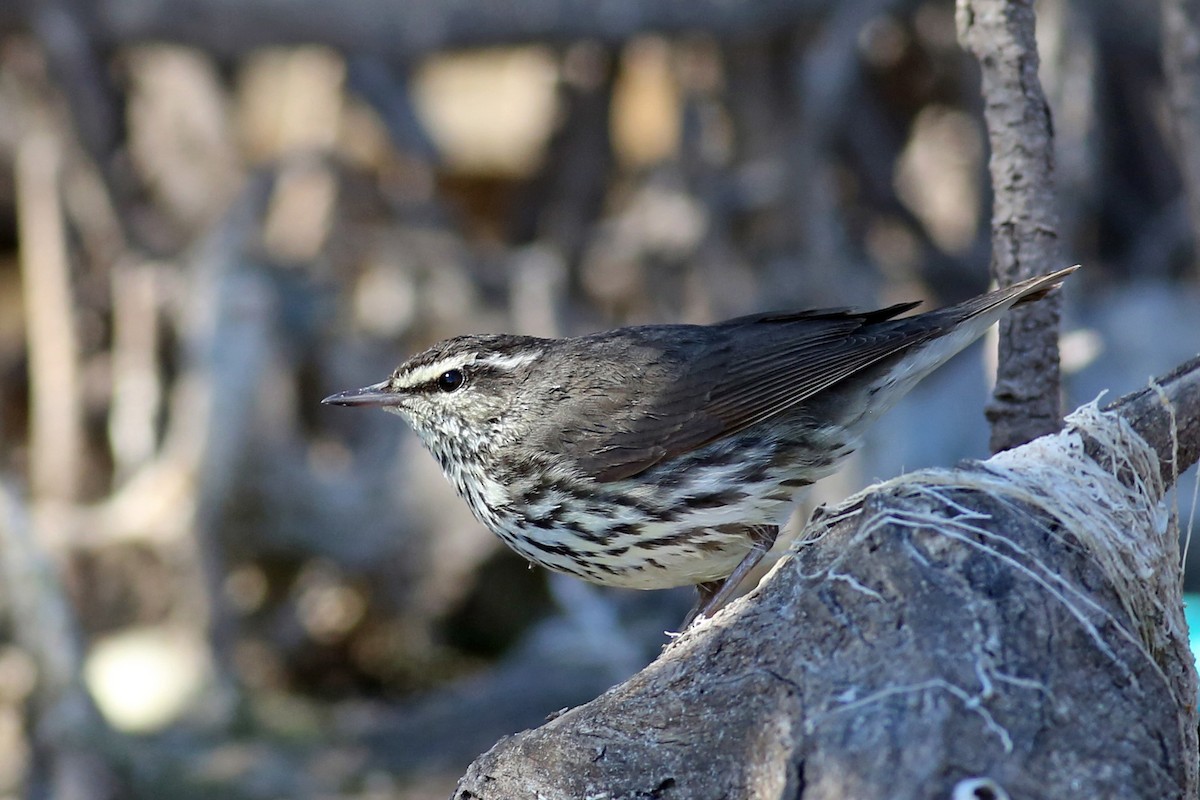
376	394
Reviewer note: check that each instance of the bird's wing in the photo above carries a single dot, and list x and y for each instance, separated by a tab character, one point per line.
658	396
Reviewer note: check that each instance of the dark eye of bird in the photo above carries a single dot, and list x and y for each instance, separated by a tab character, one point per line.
451	380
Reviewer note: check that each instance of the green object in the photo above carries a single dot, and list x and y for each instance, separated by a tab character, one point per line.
1191	609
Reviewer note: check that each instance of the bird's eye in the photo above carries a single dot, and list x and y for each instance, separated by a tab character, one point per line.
451	380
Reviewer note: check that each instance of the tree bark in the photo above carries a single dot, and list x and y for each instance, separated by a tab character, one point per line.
1000	34
933	638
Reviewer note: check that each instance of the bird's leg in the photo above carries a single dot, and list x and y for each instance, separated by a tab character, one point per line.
705	594
714	594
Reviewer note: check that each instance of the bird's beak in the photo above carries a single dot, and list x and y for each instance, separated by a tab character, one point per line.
377	394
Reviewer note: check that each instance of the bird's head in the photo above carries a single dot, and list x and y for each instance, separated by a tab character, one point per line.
462	394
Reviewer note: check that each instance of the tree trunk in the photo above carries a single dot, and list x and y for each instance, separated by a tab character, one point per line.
1000	34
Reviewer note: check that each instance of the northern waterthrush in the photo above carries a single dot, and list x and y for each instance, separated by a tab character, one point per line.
666	455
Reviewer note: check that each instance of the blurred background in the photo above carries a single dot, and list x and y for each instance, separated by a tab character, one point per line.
214	213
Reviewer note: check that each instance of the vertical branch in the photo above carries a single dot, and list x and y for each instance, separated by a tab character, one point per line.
56	435
137	390
1000	34
828	74
225	329
66	729
568	193
1181	62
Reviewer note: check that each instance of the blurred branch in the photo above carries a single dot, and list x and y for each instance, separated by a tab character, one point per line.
137	388
554	670
81	73
66	728
226	331
404	31
56	435
828	72
388	92
178	498
1181	60
569	191
1000	34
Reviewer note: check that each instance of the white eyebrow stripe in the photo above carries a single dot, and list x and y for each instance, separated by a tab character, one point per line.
511	361
431	372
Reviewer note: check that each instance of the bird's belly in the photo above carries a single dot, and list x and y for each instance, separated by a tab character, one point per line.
646	556
633	539
682	522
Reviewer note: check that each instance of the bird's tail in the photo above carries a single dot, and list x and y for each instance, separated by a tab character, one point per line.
949	330
1026	291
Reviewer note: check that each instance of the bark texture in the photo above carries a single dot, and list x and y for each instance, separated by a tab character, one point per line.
932	641
1000	34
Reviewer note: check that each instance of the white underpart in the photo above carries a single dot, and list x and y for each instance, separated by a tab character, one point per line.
926	359
676	565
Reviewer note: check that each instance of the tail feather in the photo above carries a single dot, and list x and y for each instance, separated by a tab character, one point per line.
1026	291
952	329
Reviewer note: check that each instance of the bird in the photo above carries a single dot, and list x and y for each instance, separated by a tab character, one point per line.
656	456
